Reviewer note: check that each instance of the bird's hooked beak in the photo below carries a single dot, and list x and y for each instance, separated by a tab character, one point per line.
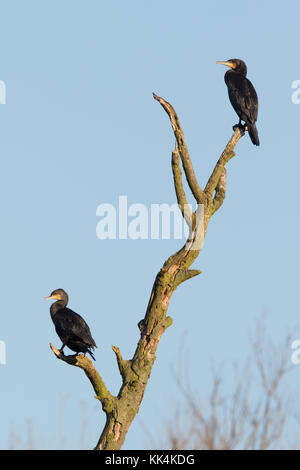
227	63
53	297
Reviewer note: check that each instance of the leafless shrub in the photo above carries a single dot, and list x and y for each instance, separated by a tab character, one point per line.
252	416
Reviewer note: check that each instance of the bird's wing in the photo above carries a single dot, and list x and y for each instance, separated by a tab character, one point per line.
243	96
76	325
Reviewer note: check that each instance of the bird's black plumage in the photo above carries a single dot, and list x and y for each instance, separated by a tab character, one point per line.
70	327
242	95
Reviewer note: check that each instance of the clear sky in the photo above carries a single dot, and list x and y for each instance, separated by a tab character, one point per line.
79	128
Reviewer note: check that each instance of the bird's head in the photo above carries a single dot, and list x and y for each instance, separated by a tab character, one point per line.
237	65
58	294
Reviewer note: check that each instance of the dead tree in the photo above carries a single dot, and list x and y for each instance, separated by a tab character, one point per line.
120	410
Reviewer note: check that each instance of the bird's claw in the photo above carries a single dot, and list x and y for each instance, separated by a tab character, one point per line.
242	128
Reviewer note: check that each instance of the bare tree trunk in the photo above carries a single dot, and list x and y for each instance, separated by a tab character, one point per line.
121	410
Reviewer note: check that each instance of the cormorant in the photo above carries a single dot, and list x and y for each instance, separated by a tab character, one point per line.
70	327
242	95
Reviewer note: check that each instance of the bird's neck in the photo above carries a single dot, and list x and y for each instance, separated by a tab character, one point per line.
57	306
240	71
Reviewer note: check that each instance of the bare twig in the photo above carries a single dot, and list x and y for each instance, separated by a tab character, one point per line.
239	419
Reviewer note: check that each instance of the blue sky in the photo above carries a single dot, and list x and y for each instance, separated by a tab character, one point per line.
79	128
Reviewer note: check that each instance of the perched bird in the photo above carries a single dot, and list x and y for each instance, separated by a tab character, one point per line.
242	95
70	327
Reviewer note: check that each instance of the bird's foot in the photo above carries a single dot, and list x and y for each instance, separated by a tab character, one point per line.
242	128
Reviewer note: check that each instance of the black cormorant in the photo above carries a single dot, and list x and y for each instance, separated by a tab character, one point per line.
242	95
70	327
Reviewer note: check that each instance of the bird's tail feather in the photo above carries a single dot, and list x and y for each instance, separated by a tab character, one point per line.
253	133
91	354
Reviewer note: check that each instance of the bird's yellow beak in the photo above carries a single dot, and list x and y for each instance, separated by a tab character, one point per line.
53	297
227	63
